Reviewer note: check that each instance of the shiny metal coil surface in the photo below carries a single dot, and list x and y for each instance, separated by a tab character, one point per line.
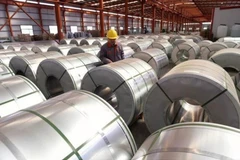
18	93
76	41
63	74
5	71
87	41
166	47
5	45
63	49
65	41
15	48
191	141
128	51
232	44
198	82
203	44
92	49
40	48
211	49
139	46
99	43
123	84
77	125
27	65
180	41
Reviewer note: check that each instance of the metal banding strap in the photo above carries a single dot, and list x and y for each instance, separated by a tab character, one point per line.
214	98
56	129
164	92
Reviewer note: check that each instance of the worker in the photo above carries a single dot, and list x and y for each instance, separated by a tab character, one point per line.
111	51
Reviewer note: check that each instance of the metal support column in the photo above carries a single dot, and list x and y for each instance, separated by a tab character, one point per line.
101	18
168	18
126	17
108	21
142	15
118	24
82	21
153	16
96	19
59	20
162	15
172	22
9	20
64	22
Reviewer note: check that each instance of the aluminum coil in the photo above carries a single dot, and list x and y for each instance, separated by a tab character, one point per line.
194	39
5	51
232	44
173	38
99	43
5	45
180	41
87	41
211	49
235	39
139	46
14	48
5	71
196	141
164	37
184	52
203	44
27	65
166	47
125	42
17	93
75	125
63	74
6	57
123	84
64	50
92	49
65	41
40	49
76	41
128	52
198	82
156	58
27	47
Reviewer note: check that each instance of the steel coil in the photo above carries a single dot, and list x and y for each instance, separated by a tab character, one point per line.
125	42
128	52
203	44
5	51
180	41
18	93
194	39
27	47
5	45
173	38
92	49
6	57
87	41
235	39
14	48
27	65
124	84
5	71
198	82
156	58
75	125
76	41
64	50
196	141
65	41
232	44
139	46
63	74
184	52
211	49
164	37
40	49
99	43
166	47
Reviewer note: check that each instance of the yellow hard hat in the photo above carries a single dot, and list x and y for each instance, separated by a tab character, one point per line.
112	34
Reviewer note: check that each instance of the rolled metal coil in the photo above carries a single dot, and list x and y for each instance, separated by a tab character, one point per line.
5	45
27	47
184	52
75	125
125	42
166	47
188	141
198	82
161	41
211	49
144	40
87	41
6	57
40	49
194	38
173	38
76	41
232	44
128	51
65	41
156	58
5	71
235	39
123	84
64	50
203	44
5	51
99	43
92	49
164	37
27	65
180	41
18	93
63	74
14	48
139	46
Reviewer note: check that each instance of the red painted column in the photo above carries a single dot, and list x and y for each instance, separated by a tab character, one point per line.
101	18
142	16
9	20
153	16
59	20
161	26
126	17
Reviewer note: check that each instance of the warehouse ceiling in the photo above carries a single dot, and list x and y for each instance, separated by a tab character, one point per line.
197	10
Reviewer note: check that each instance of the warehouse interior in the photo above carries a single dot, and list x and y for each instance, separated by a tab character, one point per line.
119	79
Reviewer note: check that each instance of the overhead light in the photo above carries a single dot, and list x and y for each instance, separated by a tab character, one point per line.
46	4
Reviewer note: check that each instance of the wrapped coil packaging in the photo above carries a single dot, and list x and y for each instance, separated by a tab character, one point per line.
99	43
87	41
64	50
128	52
18	93
211	49
27	65
123	84
75	125
203	44
92	49
156	58
5	71
167	47
40	49
65	41
232	44
198	82
180	41
63	74
184	52
139	46
76	41
188	141
6	57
